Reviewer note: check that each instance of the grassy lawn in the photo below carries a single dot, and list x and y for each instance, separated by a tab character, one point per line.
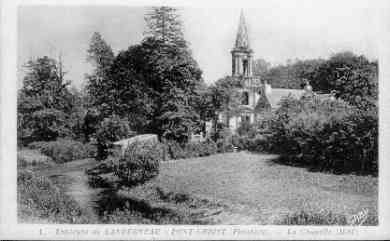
266	189
231	188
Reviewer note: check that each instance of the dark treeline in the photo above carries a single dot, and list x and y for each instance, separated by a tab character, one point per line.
154	86
352	77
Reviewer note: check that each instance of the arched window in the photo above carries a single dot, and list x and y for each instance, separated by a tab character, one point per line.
245	67
245	98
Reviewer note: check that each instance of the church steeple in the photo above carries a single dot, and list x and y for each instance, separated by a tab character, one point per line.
242	39
241	53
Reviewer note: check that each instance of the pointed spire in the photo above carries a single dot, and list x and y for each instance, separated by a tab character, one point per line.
242	39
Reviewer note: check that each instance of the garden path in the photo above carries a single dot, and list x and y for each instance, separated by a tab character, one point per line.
72	178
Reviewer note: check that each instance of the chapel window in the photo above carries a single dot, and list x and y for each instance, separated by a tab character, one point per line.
245	98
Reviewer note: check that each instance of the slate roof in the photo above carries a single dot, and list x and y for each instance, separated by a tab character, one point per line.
124	143
277	94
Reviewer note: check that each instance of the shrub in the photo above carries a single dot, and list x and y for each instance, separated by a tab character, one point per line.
126	215
32	158
200	149
192	149
39	200
110	130
325	134
246	129
64	150
209	148
258	143
224	145
223	138
139	163
40	125
174	149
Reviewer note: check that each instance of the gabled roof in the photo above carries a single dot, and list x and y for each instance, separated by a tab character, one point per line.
262	104
242	39
139	138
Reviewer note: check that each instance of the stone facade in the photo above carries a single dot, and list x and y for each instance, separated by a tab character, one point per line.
257	95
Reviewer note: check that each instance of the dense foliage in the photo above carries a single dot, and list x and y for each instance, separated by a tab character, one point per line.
292	74
326	134
101	56
353	78
164	24
40	201
43	103
111	129
139	163
152	84
176	150
64	150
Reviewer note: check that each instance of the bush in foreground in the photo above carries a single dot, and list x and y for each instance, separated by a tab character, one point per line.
39	200
139	163
64	150
326	135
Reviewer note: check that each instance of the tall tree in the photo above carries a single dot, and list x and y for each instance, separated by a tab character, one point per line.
43	102
44	80
101	56
155	89
164	24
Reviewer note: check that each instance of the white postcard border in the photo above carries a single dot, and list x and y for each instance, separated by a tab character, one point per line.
10	229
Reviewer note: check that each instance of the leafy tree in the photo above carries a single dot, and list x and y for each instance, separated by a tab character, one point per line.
260	67
111	129
177	119
151	80
353	78
44	102
223	98
203	102
101	56
164	24
153	84
91	122
44	80
228	97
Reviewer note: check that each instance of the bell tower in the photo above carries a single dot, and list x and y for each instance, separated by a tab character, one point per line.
241	52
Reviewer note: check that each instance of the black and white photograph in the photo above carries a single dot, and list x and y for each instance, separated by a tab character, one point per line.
164	114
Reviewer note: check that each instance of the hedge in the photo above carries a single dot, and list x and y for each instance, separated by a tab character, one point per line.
325	134
64	150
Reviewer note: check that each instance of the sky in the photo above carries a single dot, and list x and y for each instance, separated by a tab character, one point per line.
278	31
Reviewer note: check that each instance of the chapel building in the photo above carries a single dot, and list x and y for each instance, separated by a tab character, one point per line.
258	97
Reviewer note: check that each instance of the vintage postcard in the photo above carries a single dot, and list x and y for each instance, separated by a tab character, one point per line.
195	120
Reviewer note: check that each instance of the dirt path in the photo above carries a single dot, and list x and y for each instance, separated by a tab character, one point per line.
72	178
